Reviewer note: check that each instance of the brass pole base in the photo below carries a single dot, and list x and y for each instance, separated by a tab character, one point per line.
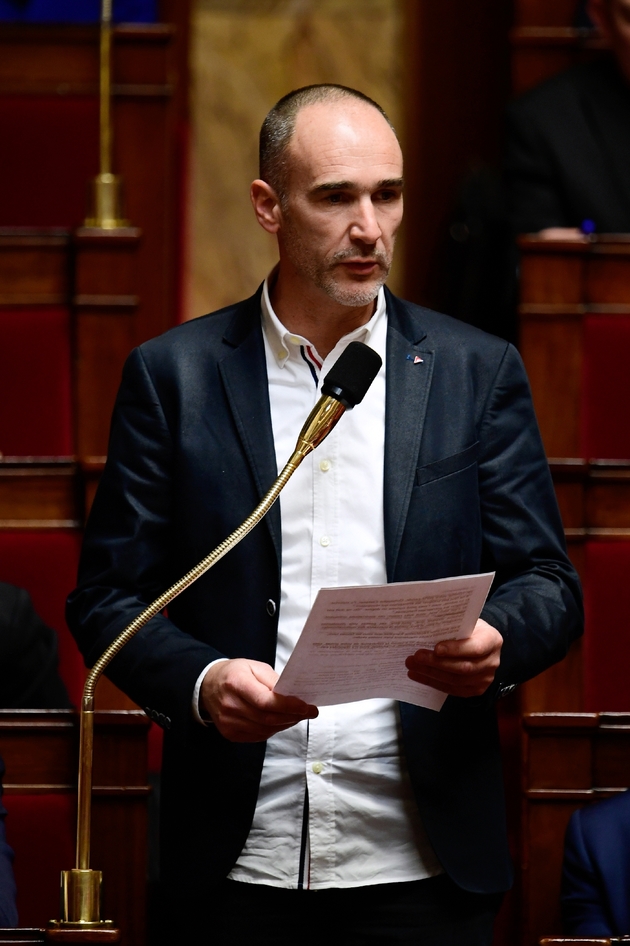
105	204
81	901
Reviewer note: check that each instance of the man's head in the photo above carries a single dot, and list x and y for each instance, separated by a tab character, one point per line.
612	18
331	190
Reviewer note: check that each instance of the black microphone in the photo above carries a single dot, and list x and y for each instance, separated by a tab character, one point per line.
351	375
344	386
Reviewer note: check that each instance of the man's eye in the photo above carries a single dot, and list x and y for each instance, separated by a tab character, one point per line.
387	195
335	198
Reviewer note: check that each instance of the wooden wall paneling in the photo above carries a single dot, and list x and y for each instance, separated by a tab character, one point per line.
145	153
551	347
40	494
545	12
607	276
568	760
39	59
40	750
105	302
608	499
34	266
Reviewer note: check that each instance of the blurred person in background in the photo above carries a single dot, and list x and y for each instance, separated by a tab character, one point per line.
568	146
596	870
28	656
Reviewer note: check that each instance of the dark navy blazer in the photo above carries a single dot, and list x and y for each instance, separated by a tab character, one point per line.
596	870
466	489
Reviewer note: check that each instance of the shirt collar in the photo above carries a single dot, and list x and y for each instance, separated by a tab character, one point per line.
286	345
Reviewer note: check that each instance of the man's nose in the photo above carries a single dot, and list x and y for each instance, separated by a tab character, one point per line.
365	226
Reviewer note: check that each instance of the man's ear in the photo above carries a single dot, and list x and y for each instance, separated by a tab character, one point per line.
266	204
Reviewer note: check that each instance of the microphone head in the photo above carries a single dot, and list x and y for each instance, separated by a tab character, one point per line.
352	374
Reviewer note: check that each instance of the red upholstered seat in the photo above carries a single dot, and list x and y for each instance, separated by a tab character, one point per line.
41	830
607	637
45	563
35	382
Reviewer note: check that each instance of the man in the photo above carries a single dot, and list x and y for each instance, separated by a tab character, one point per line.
568	156
367	822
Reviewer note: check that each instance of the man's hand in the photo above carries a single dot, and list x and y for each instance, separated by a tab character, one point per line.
238	697
460	668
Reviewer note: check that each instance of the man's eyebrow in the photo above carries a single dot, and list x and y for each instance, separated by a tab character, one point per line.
349	186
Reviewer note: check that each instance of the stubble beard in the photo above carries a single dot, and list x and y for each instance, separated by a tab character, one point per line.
324	273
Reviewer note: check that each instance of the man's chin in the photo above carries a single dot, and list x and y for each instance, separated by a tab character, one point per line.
354	296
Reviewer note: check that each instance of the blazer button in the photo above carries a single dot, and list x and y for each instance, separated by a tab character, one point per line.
271	607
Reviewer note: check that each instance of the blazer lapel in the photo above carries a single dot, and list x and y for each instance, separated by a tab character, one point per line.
244	374
408	380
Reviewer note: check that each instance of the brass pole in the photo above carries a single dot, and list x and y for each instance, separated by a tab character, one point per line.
81	886
106	188
105	84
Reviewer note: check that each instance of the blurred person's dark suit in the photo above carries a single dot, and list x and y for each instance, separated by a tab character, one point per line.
8	909
28	656
596	870
568	151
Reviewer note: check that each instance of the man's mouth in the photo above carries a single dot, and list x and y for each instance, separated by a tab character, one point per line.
362	267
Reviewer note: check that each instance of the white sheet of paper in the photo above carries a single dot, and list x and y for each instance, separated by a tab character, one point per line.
355	640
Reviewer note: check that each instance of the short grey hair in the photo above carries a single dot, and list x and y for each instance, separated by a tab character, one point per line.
278	127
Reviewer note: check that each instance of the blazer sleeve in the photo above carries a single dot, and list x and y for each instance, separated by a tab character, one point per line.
8	908
125	562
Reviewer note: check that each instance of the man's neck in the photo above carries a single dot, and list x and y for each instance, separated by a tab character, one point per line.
314	315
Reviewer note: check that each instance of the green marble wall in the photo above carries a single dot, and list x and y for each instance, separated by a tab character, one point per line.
246	54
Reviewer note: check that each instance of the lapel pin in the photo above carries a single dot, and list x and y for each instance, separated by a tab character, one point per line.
417	360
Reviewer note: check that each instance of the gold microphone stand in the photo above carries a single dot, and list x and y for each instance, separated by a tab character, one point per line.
81	887
106	188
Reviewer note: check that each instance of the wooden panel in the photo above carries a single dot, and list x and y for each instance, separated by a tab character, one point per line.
106	305
608	504
551	272
39	494
104	339
608	277
560	689
552	352
545	12
64	59
34	266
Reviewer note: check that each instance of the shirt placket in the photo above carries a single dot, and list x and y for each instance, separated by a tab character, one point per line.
321	742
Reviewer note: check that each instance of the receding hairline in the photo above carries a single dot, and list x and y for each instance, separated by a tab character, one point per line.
278	128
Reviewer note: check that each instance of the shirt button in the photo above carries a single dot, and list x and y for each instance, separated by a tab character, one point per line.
295	339
325	541
317	768
271	607
282	353
324	466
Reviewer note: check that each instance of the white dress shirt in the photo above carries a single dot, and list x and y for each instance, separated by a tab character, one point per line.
361	824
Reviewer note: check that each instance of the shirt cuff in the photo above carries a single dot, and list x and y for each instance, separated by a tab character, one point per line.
197	691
